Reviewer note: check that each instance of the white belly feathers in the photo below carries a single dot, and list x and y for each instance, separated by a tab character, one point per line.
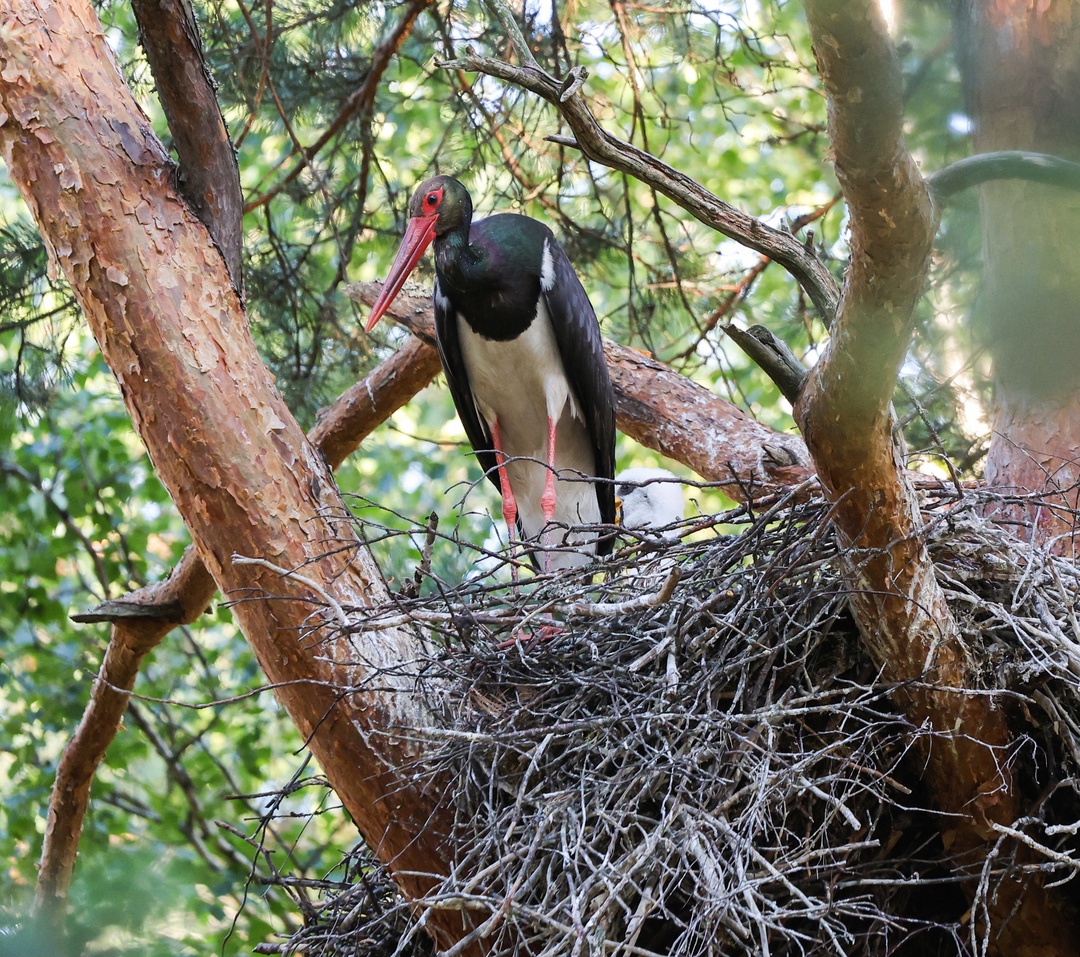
521	383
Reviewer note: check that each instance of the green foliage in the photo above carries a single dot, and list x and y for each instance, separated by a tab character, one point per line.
85	518
723	91
35	319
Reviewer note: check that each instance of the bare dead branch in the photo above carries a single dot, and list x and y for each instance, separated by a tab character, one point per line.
316	588
602	147
123	608
741	289
209	175
598	609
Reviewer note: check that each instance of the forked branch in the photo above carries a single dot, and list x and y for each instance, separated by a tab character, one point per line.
209	175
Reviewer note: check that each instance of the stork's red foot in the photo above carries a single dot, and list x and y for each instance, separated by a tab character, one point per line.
541	634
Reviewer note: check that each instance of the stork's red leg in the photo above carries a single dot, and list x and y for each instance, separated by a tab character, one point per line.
509	503
547	500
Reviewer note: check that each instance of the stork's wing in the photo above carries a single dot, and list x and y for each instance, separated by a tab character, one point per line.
453	362
582	350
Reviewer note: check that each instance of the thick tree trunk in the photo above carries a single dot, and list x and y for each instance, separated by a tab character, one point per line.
157	295
1021	65
846	418
142	619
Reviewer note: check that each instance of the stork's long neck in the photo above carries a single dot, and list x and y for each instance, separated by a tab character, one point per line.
491	273
457	263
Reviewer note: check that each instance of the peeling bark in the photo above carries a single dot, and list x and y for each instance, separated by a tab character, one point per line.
846	418
666	412
209	176
159	301
142	620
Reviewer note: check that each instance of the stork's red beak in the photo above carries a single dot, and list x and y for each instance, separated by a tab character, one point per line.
418	236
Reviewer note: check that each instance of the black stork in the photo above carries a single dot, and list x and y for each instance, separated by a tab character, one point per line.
521	349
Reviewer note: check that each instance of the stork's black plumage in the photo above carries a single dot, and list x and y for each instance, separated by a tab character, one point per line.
522	352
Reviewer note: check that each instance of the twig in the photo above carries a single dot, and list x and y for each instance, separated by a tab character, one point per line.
586	609
339	612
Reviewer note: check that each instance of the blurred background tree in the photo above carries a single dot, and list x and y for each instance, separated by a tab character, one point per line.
725	92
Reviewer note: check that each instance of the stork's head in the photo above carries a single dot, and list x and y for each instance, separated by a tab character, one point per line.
442	200
438	205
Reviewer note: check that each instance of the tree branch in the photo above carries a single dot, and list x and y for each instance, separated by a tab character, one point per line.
209	176
773	356
666	412
601	147
189	589
361	408
1006	164
845	415
142	619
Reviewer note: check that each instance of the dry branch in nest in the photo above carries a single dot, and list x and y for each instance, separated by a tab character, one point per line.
722	772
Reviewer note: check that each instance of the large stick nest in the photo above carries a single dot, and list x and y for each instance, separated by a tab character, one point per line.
724	772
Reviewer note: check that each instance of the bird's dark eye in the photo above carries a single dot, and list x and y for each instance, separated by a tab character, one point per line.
432	200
